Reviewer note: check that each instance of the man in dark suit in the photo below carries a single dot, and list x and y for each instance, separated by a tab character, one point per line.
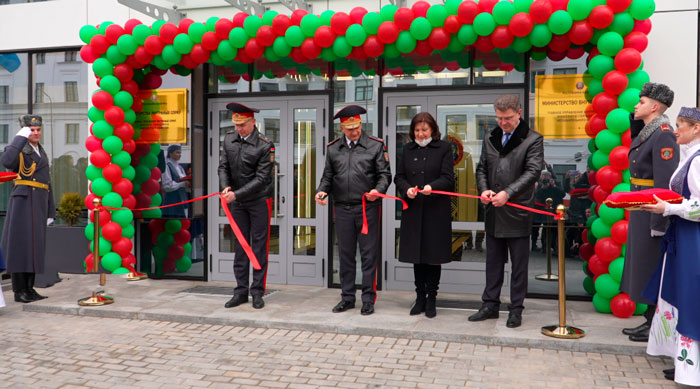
512	157
30	210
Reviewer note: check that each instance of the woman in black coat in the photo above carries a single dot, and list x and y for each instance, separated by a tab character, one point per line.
426	226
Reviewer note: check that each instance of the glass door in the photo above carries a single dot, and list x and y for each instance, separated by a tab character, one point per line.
297	242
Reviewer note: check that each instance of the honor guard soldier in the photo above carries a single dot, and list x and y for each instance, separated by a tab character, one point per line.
30	210
653	157
245	177
356	163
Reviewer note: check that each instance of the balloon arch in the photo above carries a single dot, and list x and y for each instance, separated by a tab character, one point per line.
129	61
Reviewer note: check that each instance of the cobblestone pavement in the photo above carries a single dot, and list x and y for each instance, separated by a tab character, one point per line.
40	350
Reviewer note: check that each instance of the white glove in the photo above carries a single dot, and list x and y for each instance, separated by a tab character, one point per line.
25	132
49	221
655	233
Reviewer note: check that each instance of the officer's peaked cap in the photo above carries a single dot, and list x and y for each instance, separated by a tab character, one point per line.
241	113
350	116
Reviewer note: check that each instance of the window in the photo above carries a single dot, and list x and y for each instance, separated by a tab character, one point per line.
71	91
297	87
485	123
72	133
363	89
269	86
4	133
534	74
40	58
39	92
565	71
339	91
4	94
71	56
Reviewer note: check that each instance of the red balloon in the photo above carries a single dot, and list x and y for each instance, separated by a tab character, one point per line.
619	5
575	52
112	173
175	251
155	174
608	177
99	44
622	306
604	103
156	226
123	72
280	23
122	246
619	158
627	138
420	9
131	87
254	49
93	143
487	5
154	45
373	47
100	158
584	236
451	24
297	15
223	27
129	261
607	249
184	26
501	37
199	54
142	56
423	48
111	231
636	40
129	201
150	187
114	115
618	231
240	17
143	200
340	21
356	15
521	24
102	100
540	11
559	5
591	178
151	81
643	26
388	32
598	123
265	35
124	131
128	145
559	43
628	60
182	237
324	37
89	201
596	266
310	49
615	82
601	17
439	39
88	54
88	262
123	187
210	41
581	32
484	44
599	194
466	12
586	251
113	32
105	217
555	55
168	31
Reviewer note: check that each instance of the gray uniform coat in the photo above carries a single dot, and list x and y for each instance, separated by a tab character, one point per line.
24	233
514	168
426	226
653	156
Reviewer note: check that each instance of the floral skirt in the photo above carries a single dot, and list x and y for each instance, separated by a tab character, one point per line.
665	340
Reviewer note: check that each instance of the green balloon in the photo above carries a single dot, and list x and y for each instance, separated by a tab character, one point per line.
610	43
121	270
294	36
601	304
326	17
149	160
270	55
129	116
622	187
484	24
101	129
95	114
355	35
92	172
128	231
268	16
328	55
466	35
590	221
112	144
609	215
537	55
600	229
183	264
591	145
640	9
112	200
626	176
228	52
341	48
503	11
606	287
156	200
128	172
618	120
159	62
123	217
637	79
391	51
172	226
560	22
90	231
114	55
540	36
187	248
521	44
102	67
87	32
595	88
211	23
155	27
405	43
588	286
183	44
101	187
140	33
309	24
195	32
436	15
126	44
371	22
615	269
628	99
387	12
579	9
170	55
455	46
640	309
252	24
600	159
238	37
607	140
123	100
111	261
522	5
103	27
110	84
623	23
142	173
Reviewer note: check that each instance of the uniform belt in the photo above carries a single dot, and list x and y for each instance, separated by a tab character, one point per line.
32	183
641	181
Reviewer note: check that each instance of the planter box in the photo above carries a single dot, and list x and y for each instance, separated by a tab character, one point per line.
66	249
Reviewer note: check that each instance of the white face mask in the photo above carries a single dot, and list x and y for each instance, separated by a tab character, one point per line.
423	143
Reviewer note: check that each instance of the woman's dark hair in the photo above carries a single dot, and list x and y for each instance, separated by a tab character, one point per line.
425	117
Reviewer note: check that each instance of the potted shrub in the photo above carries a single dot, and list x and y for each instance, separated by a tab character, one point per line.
69	208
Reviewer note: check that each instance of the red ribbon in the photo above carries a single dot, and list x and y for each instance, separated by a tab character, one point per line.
162	206
365	228
556	217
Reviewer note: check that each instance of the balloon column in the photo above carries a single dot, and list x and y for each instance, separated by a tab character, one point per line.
172	245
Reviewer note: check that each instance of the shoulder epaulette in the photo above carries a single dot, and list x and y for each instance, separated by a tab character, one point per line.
665	127
333	141
262	138
380	140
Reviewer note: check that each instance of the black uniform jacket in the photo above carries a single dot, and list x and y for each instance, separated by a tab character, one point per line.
349	174
246	166
514	168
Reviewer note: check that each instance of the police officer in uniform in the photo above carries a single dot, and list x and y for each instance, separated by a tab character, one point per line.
30	210
653	158
355	164
245	176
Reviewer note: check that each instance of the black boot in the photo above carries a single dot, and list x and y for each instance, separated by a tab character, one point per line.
30	287
432	284
419	275
20	287
643	334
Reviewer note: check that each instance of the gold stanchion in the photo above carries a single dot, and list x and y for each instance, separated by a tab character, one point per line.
98	298
548	247
562	330
135	276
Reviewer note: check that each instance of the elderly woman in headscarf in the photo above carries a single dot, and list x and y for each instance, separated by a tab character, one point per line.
176	183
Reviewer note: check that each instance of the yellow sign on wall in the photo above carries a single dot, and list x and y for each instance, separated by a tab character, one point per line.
560	106
168	111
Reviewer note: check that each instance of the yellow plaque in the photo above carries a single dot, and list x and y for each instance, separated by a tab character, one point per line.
560	106
168	112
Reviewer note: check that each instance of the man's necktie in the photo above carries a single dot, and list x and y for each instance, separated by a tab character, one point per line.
506	137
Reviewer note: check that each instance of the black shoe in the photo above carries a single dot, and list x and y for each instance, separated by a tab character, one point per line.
430	308
35	295
258	302
24	296
236	300
670	377
479	248
639	337
535	248
515	319
419	306
483	314
634	331
343	306
669	371
367	309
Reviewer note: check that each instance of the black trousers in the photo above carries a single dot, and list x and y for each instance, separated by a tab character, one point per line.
22	281
348	224
497	250
254	222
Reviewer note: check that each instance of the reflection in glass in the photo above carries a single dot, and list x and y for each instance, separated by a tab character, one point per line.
468	246
227	240
304	240
228	79
304	162
404	115
273	77
419	71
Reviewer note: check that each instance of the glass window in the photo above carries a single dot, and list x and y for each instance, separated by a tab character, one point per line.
269	86
71	56
4	94
4	133
297	87
72	133
40	58
363	89
564	71
339	91
349	72
414	71
533	76
39	92
71	88
228	79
